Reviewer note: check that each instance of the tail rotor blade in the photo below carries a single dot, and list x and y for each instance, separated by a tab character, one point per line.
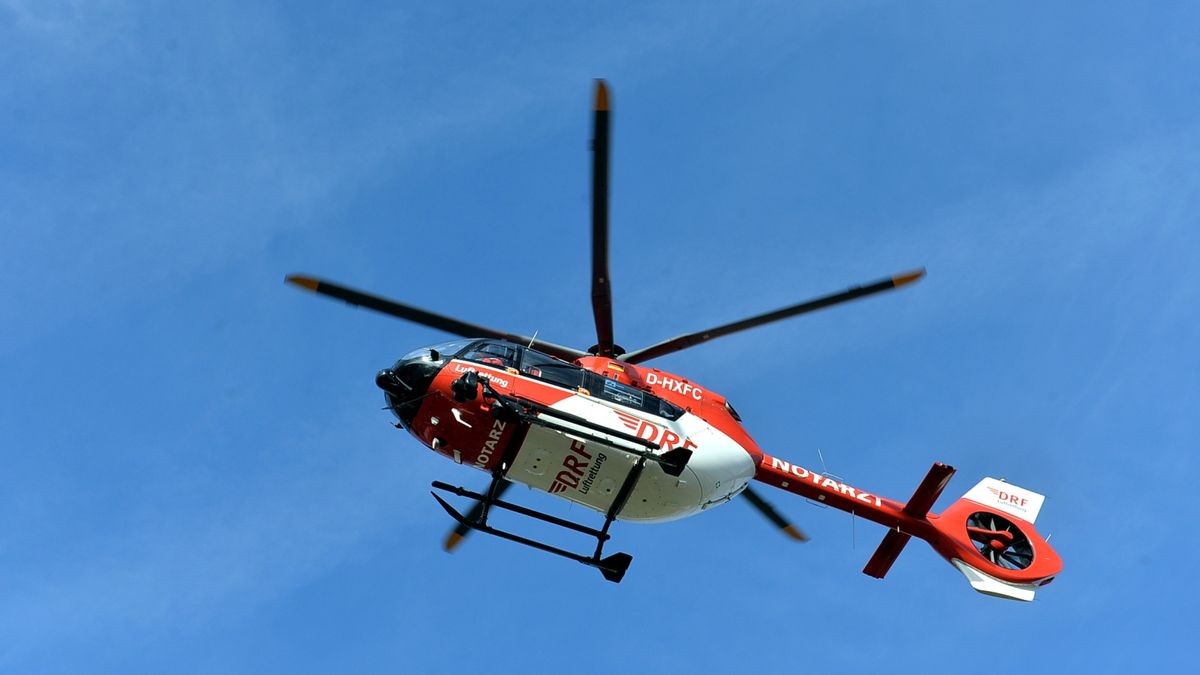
692	339
601	288
764	507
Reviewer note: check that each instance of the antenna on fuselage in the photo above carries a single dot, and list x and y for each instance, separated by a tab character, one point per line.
824	469
532	339
853	514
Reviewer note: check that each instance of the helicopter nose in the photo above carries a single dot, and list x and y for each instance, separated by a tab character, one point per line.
387	380
405	384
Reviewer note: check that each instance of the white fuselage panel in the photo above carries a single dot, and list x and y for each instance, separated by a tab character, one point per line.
590	472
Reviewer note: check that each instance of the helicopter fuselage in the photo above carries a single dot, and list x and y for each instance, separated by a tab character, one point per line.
578	462
635	443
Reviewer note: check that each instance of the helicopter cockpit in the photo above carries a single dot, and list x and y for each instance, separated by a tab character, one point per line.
535	364
406	383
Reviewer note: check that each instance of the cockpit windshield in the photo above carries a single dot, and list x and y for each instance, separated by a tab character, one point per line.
497	354
445	350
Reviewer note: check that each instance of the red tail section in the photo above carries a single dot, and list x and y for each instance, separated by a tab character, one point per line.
988	534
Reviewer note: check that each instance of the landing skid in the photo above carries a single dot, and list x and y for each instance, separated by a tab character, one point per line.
612	567
530	413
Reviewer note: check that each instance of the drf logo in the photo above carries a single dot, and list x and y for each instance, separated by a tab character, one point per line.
1008	498
652	432
573	468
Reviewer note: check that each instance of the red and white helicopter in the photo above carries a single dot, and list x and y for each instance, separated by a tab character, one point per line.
635	443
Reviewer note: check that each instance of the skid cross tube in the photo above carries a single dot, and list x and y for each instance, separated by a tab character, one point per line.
613	567
517	508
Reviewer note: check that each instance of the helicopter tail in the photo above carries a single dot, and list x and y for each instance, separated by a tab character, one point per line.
987	535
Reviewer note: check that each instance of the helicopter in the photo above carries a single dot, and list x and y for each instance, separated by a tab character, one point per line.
598	428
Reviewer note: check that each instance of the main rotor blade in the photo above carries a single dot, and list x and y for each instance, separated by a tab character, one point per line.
425	317
601	289
692	339
460	531
764	507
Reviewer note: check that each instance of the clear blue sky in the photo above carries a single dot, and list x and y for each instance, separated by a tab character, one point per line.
196	474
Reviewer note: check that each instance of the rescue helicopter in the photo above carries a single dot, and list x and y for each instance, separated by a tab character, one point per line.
600	428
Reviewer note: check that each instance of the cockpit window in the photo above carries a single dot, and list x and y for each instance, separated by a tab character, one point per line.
495	354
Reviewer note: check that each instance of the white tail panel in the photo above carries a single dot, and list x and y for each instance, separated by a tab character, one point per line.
1011	499
990	585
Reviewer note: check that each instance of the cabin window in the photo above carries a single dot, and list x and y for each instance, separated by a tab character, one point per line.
550	369
732	413
631	397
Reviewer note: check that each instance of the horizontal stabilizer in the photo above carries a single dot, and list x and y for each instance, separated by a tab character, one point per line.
929	490
918	507
889	549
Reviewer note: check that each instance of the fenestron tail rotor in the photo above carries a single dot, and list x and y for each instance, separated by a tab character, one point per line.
999	540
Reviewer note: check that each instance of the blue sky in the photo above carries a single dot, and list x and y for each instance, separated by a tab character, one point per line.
197	476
